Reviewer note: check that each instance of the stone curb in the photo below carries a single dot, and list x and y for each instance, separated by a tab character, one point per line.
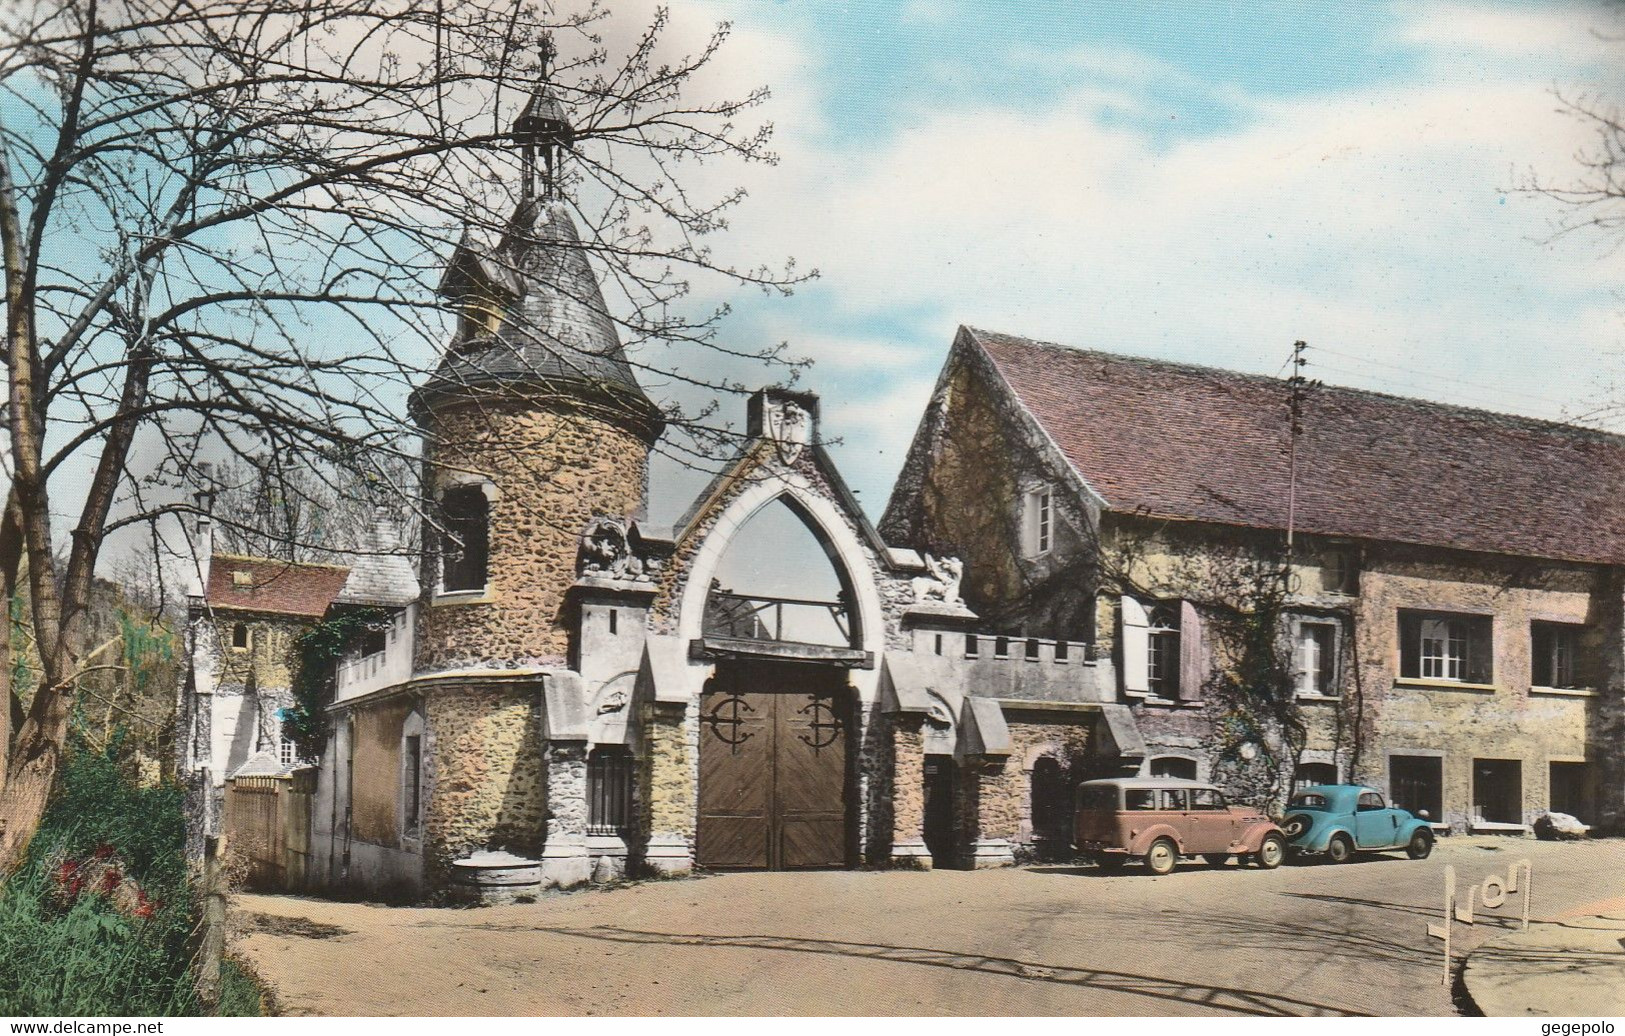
1571	967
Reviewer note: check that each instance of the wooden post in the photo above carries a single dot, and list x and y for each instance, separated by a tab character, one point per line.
214	923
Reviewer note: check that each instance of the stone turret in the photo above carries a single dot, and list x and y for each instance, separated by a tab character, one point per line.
536	407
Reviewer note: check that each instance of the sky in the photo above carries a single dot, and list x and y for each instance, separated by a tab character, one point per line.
1198	182
1203	182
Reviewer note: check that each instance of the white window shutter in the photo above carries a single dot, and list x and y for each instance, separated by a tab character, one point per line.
1029	524
1192	655
1136	642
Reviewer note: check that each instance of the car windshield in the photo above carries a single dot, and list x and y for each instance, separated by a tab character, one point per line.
1309	800
1102	799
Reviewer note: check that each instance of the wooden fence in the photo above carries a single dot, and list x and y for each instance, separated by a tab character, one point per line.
267	822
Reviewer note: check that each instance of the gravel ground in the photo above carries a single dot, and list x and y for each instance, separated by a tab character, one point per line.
1301	940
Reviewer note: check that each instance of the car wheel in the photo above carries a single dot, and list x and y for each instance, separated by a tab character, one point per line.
1339	849
1420	846
1110	862
1271	851
1161	857
1216	859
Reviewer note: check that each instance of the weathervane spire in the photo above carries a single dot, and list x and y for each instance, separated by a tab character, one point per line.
542	126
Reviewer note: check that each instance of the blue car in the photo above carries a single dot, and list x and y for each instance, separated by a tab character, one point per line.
1339	819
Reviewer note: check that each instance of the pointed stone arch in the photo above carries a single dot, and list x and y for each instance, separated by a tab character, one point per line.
834	531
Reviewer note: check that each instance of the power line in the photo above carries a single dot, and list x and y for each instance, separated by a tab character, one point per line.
1435	376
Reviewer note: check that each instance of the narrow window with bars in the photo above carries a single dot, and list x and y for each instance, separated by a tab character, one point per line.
414	782
609	790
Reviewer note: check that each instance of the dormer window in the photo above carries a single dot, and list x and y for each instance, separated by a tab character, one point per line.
465	517
481	316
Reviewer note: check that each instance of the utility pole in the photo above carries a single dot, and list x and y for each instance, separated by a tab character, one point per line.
1295	389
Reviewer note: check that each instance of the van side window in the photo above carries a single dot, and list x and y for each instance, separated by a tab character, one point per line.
1140	798
1175	798
1206	798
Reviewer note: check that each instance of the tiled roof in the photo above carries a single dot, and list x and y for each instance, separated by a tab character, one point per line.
266	585
1189	442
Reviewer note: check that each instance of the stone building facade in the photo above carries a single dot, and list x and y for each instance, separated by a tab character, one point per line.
1448	627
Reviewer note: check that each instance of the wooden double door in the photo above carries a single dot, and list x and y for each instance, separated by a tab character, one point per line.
774	745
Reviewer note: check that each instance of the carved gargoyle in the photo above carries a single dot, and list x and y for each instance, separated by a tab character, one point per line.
607	550
943	582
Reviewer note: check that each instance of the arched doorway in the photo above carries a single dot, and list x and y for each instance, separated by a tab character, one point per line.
777	719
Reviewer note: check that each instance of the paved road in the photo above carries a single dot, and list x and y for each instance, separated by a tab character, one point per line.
1301	940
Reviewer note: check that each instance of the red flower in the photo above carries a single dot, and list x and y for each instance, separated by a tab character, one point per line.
103	852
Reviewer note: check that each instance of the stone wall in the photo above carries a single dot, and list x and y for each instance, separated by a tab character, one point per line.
551	472
906	785
1006	793
1505	719
487	781
963	494
671	768
268	655
375	801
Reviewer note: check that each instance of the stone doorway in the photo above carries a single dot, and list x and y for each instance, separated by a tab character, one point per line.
774	750
1416	783
939	809
1570	791
1498	791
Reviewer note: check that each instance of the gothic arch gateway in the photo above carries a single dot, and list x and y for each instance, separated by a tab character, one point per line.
778	721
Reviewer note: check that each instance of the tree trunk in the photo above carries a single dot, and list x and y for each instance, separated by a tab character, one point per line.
33	771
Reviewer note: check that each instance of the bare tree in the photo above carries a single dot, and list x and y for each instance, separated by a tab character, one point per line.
223	222
1593	199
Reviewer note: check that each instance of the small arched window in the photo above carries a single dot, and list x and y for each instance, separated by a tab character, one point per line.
1174	766
241	639
464	541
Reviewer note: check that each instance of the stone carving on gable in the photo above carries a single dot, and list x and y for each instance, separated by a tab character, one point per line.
614	701
789	426
938	714
609	551
942	584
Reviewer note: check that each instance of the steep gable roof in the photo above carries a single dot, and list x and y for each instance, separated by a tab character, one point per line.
1187	442
279	587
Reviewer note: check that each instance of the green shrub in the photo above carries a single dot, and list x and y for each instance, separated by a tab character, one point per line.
78	955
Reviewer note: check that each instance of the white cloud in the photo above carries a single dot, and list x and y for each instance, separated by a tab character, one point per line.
1378	223
1572	33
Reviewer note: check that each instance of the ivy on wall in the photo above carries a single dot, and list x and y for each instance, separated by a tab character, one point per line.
314	657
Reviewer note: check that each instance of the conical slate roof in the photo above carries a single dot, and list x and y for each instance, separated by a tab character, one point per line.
555	333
